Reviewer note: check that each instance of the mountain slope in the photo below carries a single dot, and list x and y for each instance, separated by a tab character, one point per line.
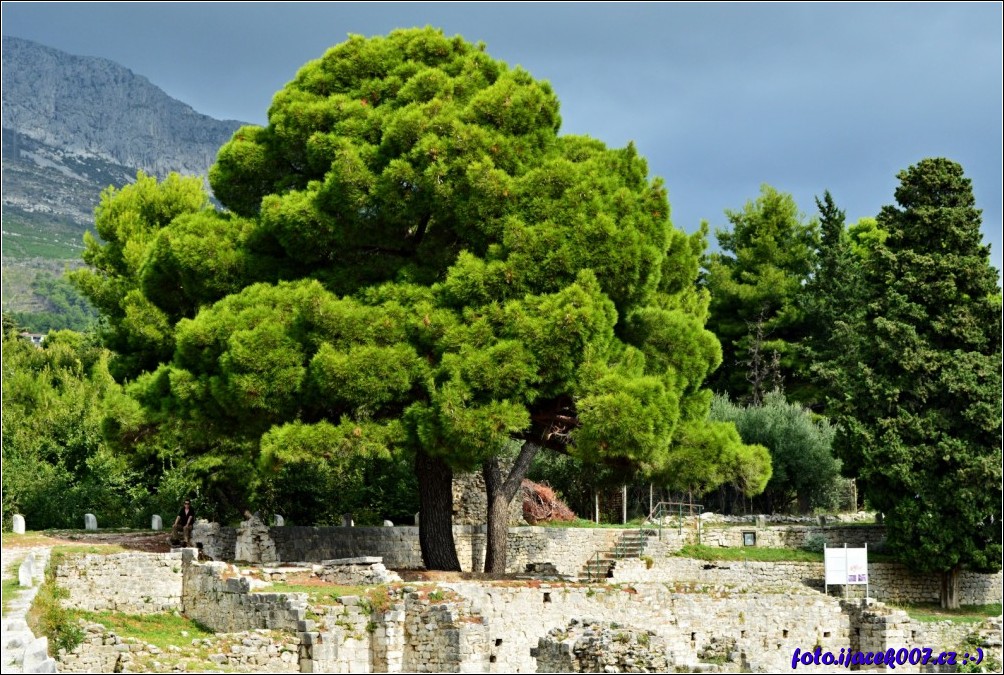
72	125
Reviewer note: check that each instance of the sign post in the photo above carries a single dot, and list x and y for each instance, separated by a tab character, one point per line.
845	566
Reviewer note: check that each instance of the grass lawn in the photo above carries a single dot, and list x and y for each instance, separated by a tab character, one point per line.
9	588
929	612
162	630
752	553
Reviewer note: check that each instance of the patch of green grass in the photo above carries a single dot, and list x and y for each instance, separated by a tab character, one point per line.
88	549
929	612
47	615
29	538
162	630
317	594
9	588
751	553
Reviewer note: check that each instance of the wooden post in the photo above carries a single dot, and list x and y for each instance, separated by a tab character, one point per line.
650	506
623	504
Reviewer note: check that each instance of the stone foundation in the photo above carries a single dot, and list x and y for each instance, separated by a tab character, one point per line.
217	596
133	583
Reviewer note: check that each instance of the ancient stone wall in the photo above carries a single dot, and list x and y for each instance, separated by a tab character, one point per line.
134	583
600	647
794	536
102	651
889	582
470	499
566	548
217	596
759	629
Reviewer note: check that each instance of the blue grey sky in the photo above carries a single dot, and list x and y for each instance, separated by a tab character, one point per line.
719	97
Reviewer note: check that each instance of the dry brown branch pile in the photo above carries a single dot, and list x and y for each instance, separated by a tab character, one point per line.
540	504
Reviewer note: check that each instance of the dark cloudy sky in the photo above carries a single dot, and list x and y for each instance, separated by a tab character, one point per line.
719	97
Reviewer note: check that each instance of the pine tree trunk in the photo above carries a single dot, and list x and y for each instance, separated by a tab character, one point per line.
435	520
950	588
500	495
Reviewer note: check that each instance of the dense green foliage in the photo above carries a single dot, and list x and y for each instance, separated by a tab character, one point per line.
805	473
919	376
756	282
414	262
55	465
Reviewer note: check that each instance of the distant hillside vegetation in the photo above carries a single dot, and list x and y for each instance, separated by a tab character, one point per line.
72	125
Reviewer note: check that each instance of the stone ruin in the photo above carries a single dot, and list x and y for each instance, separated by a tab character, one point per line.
592	646
254	544
366	570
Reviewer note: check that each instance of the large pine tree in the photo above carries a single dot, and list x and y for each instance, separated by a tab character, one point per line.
919	378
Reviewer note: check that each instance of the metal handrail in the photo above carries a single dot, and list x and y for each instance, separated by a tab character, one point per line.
663	509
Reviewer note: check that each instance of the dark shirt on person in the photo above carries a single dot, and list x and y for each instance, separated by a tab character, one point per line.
186	518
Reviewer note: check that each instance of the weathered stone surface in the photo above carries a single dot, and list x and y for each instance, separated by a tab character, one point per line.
279	520
596	647
36	653
135	583
217	596
156	522
361	560
90	522
26	571
254	544
388	523
17	526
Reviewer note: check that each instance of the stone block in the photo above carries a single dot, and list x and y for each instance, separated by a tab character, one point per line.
90	522
361	560
18	524
156	522
26	571
35	654
279	521
388	523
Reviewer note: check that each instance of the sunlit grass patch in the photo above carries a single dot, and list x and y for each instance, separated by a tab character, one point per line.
929	612
751	553
162	630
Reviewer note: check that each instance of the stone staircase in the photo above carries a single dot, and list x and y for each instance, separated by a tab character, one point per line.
630	544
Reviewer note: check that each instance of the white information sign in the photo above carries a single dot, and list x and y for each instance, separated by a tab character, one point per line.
845	566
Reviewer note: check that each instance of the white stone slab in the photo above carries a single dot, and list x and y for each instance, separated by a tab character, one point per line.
26	571
362	560
279	520
18	524
90	522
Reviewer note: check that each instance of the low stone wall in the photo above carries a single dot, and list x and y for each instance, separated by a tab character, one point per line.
795	536
218	597
102	651
413	633
216	541
878	628
889	582
566	548
600	647
763	628
133	583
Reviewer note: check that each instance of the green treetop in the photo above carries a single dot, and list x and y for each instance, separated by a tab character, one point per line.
416	261
919	378
755	282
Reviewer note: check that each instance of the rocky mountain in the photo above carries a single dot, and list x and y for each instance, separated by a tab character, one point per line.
72	125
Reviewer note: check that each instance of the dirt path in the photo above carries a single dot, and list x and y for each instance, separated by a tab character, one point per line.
132	540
